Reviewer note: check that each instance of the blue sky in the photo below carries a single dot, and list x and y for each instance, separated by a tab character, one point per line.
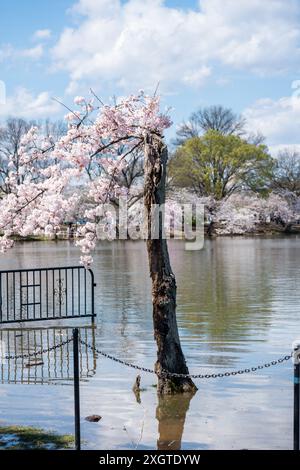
244	55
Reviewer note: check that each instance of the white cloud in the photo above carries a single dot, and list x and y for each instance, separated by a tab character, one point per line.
196	77
278	120
8	52
141	42
261	37
2	93
276	149
26	105
31	53
42	34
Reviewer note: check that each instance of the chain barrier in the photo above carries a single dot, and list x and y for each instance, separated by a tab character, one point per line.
76	340
151	371
191	376
38	353
115	359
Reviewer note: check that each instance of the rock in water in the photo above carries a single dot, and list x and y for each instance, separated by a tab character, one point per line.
93	418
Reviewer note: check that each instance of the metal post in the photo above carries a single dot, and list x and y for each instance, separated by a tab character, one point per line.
296	361
76	388
93	285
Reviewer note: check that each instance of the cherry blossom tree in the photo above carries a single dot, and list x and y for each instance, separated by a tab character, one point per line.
109	141
241	213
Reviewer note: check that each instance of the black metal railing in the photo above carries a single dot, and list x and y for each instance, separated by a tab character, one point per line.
46	293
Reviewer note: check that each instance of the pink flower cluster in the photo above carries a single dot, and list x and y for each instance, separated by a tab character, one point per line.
45	188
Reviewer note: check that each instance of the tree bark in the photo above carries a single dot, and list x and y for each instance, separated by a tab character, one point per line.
169	353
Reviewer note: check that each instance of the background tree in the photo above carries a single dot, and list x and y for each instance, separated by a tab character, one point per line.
214	118
11	135
248	213
130	178
285	177
218	165
10	140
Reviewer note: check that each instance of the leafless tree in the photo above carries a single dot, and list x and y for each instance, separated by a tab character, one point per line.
217	118
131	176
286	173
53	129
11	133
10	138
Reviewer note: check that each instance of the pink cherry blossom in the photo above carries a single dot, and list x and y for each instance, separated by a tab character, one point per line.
43	189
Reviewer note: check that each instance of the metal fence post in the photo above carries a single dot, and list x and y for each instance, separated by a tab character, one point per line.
93	285
296	361
76	388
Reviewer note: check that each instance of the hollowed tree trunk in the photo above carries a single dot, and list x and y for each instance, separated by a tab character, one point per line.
169	353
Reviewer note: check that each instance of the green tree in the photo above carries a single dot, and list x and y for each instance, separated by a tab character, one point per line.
219	165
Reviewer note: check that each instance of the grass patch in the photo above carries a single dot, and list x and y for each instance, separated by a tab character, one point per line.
23	437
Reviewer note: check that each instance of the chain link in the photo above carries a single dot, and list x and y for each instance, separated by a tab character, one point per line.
151	371
115	359
191	376
230	373
38	353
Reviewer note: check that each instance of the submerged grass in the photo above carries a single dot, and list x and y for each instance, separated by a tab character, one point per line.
23	437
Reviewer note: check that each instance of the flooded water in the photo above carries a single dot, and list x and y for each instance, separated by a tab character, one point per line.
238	306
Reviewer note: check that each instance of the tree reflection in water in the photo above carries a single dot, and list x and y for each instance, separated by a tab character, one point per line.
171	415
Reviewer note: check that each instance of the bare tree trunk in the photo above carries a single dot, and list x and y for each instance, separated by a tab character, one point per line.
169	353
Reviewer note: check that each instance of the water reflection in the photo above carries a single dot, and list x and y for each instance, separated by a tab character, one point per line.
171	414
238	306
218	290
54	365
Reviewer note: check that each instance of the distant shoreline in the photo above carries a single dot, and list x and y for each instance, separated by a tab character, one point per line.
267	230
